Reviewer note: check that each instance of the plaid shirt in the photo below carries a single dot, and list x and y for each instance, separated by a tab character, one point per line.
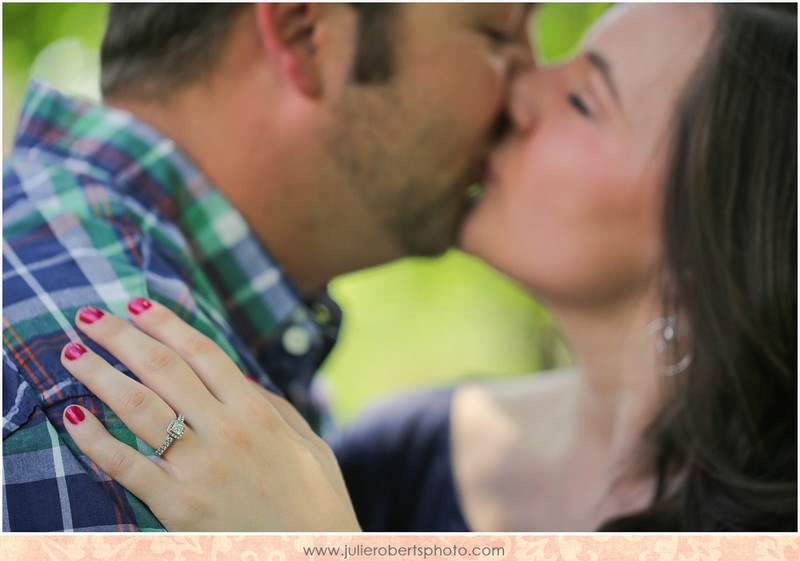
99	208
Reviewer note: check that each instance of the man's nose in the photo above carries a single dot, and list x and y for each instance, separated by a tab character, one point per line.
521	57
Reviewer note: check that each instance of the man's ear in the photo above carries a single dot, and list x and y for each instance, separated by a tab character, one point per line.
287	32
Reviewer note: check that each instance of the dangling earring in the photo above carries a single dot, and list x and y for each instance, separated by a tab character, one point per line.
666	331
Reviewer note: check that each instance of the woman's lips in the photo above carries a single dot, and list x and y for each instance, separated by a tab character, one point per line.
488	177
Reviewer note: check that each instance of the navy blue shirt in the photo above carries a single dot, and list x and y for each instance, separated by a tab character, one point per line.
397	466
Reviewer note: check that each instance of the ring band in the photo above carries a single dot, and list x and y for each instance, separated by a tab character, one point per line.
175	430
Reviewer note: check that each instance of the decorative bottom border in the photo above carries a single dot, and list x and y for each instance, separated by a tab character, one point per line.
434	547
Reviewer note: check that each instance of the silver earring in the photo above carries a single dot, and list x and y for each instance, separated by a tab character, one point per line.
666	331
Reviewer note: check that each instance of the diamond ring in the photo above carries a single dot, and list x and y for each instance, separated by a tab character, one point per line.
175	430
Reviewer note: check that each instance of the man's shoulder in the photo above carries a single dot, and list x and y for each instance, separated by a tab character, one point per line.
42	184
67	239
38	169
70	240
69	225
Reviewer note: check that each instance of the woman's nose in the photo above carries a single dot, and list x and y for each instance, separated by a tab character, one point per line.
524	99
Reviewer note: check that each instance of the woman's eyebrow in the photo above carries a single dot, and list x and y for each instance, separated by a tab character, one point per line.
602	65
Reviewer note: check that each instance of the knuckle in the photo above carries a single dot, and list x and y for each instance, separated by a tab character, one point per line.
117	462
279	401
254	407
234	432
304	456
217	472
112	329
323	448
134	400
197	344
159	359
206	472
191	506
263	415
240	431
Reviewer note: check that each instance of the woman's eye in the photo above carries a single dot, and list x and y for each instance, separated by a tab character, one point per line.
578	103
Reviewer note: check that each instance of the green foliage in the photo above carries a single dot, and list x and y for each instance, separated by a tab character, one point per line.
28	30
422	322
29	27
560	26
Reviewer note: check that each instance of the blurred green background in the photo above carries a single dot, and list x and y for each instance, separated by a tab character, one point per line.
416	322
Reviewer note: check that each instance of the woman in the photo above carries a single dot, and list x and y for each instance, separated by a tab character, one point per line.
647	196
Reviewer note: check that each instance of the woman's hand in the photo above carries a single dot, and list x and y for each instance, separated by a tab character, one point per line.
247	460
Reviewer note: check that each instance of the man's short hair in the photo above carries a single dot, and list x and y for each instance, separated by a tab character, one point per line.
149	50
374	57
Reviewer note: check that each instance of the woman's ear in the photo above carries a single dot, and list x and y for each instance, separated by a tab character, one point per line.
287	32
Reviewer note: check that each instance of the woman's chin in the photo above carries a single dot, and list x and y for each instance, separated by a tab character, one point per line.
469	236
479	237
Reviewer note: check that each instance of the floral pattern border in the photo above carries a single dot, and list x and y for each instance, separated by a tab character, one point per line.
455	547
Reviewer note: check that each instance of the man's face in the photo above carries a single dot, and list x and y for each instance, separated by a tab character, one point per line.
411	146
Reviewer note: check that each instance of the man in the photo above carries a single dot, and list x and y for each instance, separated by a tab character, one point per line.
337	136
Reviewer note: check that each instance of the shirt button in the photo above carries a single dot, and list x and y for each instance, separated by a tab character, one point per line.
296	341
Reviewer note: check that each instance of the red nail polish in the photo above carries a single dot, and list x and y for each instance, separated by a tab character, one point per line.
251	379
138	305
90	314
74	351
74	414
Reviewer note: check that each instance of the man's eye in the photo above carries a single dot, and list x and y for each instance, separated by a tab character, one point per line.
497	36
578	103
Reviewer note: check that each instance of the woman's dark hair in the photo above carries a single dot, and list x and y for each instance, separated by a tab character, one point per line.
725	444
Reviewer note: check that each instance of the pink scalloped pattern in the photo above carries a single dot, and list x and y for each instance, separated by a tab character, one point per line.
435	547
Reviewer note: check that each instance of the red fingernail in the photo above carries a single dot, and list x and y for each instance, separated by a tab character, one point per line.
251	379
74	351
74	414
138	305
90	314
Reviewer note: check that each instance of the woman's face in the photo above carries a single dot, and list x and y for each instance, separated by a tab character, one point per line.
572	199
